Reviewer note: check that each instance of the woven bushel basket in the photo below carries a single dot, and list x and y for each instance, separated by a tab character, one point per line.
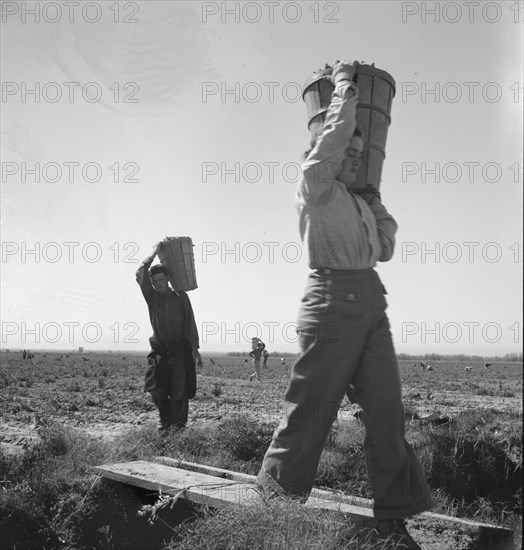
176	253
376	91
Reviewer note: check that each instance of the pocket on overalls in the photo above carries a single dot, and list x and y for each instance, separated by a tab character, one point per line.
346	304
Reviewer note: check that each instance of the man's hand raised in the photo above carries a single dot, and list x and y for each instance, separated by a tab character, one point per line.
156	248
343	70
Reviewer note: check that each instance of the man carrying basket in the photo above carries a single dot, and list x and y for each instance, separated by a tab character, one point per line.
344	332
257	349
171	376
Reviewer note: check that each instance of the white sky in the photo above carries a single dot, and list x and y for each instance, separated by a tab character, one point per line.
176	60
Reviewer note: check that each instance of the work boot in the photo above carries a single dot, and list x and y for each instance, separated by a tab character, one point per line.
394	532
267	494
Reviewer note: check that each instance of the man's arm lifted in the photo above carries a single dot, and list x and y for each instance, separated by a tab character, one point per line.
142	277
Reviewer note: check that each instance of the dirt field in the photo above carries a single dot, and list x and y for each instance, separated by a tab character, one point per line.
102	393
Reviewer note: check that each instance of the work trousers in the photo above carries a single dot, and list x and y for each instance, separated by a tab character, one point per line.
170	394
345	339
256	366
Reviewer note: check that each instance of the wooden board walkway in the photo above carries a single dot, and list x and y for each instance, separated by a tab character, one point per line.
220	488
202	488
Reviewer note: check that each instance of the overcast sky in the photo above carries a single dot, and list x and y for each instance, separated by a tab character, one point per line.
126	122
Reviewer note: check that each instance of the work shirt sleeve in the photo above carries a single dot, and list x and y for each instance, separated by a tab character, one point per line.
386	229
323	164
191	328
142	278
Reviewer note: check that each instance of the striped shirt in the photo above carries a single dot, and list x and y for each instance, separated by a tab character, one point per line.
340	229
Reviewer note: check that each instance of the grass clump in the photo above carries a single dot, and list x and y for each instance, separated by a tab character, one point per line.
342	465
51	499
24	525
476	458
245	439
195	443
282	524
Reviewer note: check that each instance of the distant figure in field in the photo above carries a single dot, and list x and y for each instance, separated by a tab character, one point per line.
212	362
24	355
282	362
257	347
265	355
171	376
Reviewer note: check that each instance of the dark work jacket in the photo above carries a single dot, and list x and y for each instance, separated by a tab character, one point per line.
160	352
171	315
174	327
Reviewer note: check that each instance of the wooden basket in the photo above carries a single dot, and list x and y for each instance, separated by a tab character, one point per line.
176	253
375	98
316	94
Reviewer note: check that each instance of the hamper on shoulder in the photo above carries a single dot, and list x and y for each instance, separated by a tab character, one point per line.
376	89
176	253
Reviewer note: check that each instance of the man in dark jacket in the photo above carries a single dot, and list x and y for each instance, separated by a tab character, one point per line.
171	376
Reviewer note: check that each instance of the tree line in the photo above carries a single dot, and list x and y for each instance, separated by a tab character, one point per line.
506	358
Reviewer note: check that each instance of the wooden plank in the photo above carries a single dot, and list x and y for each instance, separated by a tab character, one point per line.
195	487
204	469
205	489
329	496
247	478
